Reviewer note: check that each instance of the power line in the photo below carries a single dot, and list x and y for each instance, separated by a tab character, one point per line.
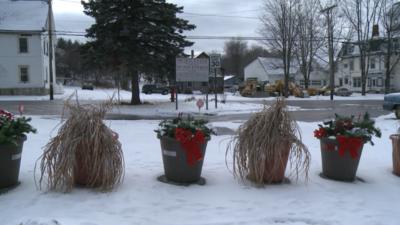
220	15
207	37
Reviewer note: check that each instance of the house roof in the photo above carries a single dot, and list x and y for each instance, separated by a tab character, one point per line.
274	66
23	15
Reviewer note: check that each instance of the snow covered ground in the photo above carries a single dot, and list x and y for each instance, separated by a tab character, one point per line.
103	94
141	199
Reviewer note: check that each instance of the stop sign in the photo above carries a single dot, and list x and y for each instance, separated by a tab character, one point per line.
200	103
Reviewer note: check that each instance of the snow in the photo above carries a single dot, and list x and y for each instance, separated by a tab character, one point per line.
141	199
104	94
23	15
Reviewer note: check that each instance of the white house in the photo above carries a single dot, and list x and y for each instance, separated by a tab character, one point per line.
267	70
24	47
270	70
349	70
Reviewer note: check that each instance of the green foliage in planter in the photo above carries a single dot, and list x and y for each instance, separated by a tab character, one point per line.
362	126
167	127
12	128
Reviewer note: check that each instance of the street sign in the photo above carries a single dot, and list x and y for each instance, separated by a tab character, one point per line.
192	70
200	103
215	61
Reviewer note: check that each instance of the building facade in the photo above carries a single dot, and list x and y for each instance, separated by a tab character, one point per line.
270	70
24	44
348	73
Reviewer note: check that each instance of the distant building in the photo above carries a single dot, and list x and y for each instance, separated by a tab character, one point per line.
269	70
204	87
349	70
24	47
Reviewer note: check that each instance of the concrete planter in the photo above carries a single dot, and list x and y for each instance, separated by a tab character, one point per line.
335	166
10	161
176	167
396	153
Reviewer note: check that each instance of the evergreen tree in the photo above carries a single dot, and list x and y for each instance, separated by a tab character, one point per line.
140	35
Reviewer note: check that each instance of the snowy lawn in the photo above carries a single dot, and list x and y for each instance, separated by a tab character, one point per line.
141	199
104	94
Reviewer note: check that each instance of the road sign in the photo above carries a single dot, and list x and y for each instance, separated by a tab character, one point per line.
192	70
215	61
200	103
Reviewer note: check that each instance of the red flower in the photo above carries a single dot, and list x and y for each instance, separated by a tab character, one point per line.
5	114
320	133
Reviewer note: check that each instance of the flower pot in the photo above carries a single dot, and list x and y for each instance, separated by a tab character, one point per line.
176	166
396	153
278	175
81	172
336	166
275	170
10	161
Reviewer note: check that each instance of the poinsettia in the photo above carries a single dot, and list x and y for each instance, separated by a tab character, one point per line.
189	123
362	127
13	128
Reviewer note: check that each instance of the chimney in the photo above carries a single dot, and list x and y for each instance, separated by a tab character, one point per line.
375	31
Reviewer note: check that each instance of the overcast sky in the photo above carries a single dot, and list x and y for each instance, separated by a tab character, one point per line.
217	18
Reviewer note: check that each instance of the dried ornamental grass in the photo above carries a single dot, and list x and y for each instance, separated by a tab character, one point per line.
259	142
83	143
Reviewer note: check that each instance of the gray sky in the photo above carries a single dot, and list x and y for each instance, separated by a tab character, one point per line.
232	18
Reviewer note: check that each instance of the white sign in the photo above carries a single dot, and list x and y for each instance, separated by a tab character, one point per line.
215	60
192	69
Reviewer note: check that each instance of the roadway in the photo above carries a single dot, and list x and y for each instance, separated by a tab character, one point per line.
311	110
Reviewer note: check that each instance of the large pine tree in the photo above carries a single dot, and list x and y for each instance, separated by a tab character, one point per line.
141	35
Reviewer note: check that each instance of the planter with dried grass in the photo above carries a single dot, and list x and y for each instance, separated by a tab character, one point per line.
85	152
265	143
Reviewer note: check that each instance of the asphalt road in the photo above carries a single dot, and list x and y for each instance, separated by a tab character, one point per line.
312	110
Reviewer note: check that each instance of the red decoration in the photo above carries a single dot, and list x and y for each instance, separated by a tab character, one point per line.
351	144
6	114
320	133
191	144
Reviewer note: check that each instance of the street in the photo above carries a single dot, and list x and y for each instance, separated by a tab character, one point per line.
310	110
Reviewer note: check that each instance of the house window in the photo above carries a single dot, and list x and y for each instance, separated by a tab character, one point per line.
357	82
316	83
24	74
340	81
23	45
302	83
204	84
351	65
350	49
47	75
372	63
346	80
189	84
379	82
345	65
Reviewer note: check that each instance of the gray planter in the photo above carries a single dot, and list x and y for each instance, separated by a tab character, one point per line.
336	167
176	167
10	161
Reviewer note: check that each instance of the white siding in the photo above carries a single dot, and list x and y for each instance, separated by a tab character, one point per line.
255	70
10	59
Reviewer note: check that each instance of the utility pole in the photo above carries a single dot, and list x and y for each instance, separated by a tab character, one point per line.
50	30
328	11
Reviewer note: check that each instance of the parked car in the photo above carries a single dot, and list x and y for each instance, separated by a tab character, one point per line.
155	88
392	102
87	86
343	92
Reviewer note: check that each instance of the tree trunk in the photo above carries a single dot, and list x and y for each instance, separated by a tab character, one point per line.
135	100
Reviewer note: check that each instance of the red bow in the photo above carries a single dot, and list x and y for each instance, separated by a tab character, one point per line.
191	144
352	144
